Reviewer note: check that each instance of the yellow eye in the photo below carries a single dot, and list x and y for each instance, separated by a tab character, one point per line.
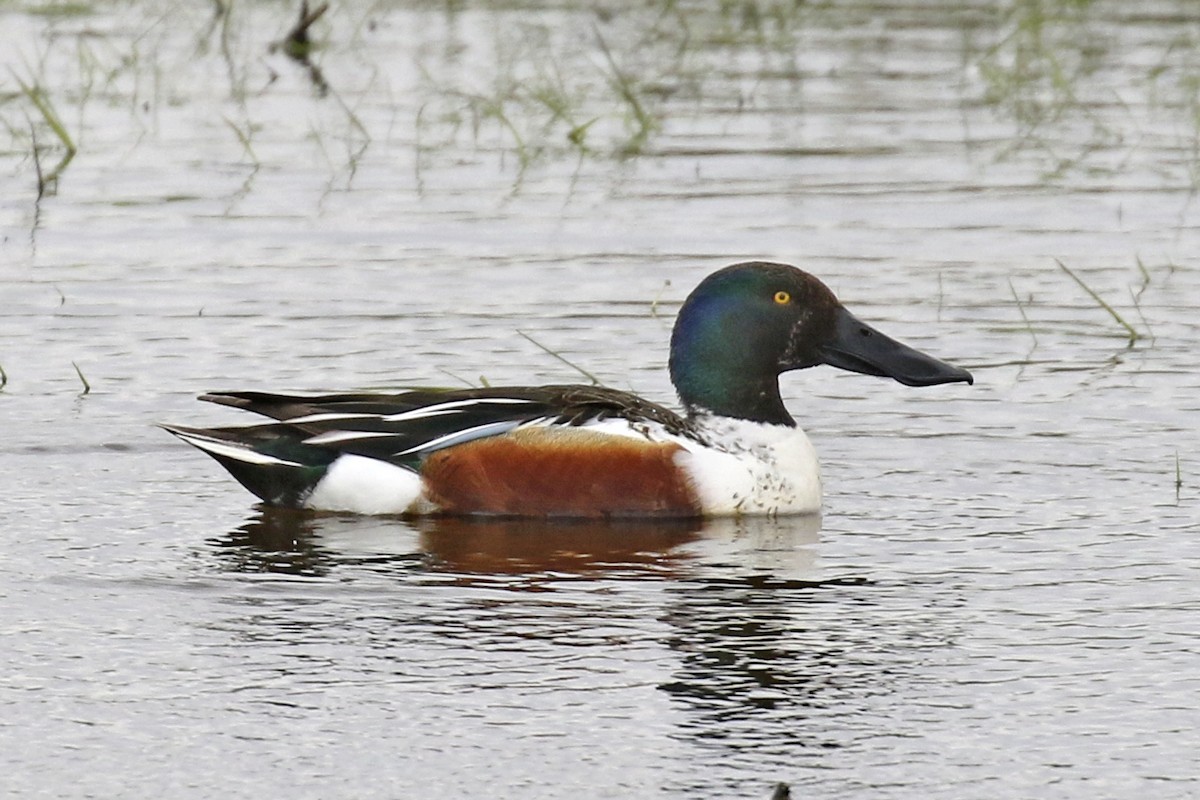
783	298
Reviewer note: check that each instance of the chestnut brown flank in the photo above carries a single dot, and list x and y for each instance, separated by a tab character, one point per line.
559	472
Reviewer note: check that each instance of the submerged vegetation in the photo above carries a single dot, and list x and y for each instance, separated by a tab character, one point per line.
582	82
47	180
1042	70
1045	93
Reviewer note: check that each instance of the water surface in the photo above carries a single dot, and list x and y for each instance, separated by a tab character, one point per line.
1000	599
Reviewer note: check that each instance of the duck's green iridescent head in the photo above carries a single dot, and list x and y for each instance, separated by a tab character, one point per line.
745	324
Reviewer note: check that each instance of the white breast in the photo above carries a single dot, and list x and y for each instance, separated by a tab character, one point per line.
753	468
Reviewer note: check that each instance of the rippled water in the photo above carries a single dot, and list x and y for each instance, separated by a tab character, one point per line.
1001	598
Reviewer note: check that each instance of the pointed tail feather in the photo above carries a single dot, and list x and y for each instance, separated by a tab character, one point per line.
269	460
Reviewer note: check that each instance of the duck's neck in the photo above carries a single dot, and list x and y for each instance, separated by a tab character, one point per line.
710	387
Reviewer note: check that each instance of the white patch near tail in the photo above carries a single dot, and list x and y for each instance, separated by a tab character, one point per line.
365	486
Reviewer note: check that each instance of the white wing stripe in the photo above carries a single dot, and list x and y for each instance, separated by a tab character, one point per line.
329	416
236	452
337	437
478	432
452	407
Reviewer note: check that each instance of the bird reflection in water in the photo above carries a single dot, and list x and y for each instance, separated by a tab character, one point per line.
313	544
741	632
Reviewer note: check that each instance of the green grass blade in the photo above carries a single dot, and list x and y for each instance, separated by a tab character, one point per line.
87	387
1021	309
569	363
1133	334
42	104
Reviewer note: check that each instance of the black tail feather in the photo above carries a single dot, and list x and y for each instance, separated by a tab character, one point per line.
269	460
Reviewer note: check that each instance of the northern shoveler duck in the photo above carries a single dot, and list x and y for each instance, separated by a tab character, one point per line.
583	451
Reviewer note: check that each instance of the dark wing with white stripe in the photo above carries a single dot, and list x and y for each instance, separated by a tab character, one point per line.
401	428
